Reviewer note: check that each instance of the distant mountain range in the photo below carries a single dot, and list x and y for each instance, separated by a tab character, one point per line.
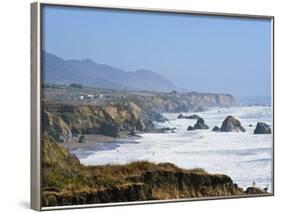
89	73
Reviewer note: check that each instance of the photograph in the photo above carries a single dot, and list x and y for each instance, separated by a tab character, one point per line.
147	105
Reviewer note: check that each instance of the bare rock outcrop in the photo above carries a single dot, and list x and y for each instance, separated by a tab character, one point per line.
190	128
231	124
56	127
200	124
262	128
216	129
254	191
181	116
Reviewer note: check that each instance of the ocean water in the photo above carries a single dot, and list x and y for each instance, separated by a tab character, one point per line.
245	157
254	100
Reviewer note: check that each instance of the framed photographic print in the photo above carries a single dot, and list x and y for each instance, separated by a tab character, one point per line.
140	105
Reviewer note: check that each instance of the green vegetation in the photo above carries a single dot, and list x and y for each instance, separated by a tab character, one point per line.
67	182
78	86
147	101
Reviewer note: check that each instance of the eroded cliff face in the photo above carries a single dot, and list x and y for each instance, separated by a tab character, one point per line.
64	121
67	182
184	102
55	126
211	100
127	116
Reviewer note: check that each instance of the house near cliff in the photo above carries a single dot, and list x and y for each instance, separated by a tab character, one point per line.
90	97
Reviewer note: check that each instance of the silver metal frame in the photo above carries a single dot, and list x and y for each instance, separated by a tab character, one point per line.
36	48
35	108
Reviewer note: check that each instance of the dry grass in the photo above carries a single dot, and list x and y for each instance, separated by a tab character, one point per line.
66	181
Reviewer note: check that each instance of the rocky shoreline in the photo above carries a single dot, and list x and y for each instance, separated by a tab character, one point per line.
65	122
85	125
68	126
111	113
229	124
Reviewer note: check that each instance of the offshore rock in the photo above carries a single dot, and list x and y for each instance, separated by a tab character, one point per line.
231	124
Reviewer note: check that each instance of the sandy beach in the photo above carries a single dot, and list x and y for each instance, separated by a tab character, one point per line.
92	139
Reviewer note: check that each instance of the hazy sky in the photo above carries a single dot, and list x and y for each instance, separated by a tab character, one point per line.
199	53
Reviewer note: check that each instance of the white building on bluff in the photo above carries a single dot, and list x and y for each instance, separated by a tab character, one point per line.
89	96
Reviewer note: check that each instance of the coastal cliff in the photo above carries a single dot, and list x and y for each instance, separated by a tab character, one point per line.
67	182
135	111
63	122
147	100
185	102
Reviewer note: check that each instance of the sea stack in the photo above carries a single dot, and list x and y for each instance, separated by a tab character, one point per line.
216	129
200	124
194	116
181	116
190	128
231	124
82	139
262	128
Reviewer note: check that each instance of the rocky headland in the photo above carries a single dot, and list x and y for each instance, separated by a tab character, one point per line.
63	122
66	182
152	101
113	112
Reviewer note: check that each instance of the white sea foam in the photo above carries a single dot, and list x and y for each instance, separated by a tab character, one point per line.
245	157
